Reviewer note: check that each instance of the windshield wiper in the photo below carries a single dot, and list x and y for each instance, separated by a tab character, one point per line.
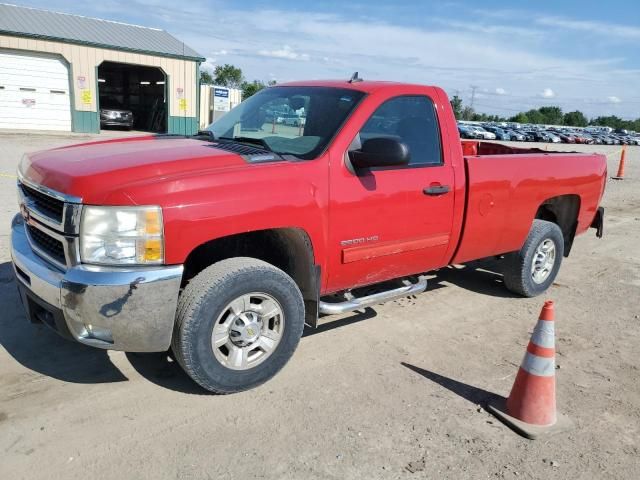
254	141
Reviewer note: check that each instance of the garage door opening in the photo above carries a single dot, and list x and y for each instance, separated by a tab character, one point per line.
132	97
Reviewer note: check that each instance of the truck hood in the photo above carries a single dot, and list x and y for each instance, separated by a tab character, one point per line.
94	171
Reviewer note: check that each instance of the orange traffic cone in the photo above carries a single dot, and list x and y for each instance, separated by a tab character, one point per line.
620	175
530	409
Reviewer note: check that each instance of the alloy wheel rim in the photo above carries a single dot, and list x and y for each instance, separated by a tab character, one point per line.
248	331
544	258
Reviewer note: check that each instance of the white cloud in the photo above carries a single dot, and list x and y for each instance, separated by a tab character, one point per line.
452	48
501	91
614	99
208	65
606	29
285	52
491	28
547	93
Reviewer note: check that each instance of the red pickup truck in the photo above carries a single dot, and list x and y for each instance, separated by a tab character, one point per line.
221	246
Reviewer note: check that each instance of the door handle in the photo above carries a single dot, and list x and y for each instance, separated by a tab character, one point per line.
436	190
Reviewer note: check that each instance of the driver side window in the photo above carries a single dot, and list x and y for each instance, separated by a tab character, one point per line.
413	121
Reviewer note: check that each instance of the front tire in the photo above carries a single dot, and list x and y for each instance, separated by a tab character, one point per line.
239	322
532	270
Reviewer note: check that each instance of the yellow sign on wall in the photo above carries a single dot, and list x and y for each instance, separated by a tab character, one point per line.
182	104
86	96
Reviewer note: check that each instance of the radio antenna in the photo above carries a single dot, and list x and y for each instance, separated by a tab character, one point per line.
355	78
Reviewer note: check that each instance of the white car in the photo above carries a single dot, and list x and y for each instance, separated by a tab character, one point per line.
483	133
292	120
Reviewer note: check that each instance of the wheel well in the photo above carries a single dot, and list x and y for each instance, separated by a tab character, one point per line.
563	211
289	249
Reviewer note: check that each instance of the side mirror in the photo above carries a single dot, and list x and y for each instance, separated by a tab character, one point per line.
380	152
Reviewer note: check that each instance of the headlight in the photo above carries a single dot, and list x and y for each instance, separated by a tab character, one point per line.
121	235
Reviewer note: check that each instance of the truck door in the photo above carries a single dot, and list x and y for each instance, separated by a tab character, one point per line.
388	222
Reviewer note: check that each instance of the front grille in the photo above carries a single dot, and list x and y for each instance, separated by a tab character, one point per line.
49	206
49	245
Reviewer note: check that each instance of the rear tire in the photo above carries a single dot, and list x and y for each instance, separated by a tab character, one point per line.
238	323
532	270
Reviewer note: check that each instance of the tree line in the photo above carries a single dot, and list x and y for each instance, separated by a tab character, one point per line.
231	77
544	115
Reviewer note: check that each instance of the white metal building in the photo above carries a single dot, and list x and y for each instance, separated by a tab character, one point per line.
215	101
56	69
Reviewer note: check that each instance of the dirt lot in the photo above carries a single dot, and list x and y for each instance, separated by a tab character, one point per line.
389	393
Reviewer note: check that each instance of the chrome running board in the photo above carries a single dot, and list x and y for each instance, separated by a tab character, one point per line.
329	308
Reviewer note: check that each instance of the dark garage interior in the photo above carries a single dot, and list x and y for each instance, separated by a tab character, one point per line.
136	88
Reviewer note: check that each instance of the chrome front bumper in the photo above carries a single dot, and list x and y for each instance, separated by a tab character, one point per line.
130	309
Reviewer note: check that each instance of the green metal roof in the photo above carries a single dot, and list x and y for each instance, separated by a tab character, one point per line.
94	32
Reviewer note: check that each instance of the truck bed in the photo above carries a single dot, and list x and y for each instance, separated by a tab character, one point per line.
472	147
506	186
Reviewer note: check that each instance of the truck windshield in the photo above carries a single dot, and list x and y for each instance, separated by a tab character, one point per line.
299	121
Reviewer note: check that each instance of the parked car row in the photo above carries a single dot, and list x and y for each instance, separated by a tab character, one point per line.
538	133
475	131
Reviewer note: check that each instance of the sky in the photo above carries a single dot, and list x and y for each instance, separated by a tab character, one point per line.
581	55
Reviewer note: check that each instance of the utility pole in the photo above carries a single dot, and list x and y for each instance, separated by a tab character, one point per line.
473	94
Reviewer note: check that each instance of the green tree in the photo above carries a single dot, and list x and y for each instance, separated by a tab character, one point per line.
228	76
251	88
205	78
272	83
520	118
575	119
610	121
551	115
456	104
467	113
535	116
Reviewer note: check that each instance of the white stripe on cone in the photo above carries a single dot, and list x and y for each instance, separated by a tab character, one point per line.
544	334
541	366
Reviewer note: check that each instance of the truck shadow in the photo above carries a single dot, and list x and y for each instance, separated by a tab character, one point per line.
332	324
480	276
163	370
42	350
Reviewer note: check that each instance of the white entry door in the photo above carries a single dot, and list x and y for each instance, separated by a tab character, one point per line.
34	92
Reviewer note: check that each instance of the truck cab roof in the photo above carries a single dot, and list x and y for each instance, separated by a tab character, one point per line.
368	86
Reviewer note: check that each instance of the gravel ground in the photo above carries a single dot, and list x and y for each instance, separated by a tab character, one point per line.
395	396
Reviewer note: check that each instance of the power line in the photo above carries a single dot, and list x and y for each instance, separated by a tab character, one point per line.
473	94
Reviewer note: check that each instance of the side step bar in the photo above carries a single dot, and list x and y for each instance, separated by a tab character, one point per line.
329	308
